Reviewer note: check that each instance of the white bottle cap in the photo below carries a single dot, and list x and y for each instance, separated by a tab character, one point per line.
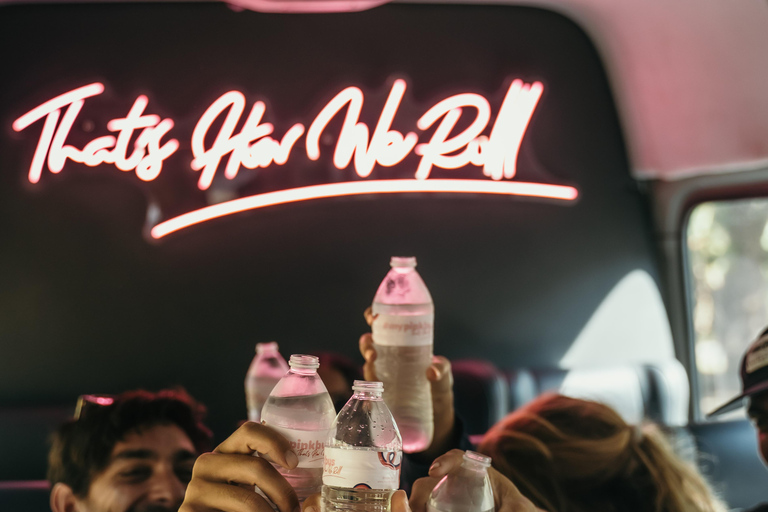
403	261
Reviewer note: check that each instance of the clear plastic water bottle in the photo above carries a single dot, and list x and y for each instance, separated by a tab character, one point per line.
363	454
403	336
266	370
300	408
467	489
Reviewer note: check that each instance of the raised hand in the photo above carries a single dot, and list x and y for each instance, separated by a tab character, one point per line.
224	479
441	379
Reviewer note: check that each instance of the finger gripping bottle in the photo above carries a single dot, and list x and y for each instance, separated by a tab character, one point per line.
300	408
402	331
363	454
466	489
266	369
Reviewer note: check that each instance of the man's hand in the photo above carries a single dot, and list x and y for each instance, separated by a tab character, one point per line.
506	497
225	478
441	379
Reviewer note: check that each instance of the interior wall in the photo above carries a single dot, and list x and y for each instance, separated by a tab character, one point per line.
89	305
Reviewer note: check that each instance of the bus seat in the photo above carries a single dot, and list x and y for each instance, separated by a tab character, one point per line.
480	394
523	387
624	388
24	439
649	391
669	393
25	496
728	457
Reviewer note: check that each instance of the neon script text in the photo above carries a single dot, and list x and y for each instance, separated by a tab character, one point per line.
254	147
146	158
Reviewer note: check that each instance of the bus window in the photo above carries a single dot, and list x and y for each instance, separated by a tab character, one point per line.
727	260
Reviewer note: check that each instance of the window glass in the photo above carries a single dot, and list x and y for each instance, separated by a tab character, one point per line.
728	274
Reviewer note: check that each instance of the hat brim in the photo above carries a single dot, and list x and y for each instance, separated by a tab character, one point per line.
737	402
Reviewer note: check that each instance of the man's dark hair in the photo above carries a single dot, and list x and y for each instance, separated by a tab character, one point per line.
81	447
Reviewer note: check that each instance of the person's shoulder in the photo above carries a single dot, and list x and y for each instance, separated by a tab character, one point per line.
763	507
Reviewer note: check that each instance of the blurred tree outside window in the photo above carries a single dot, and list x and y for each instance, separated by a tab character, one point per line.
728	274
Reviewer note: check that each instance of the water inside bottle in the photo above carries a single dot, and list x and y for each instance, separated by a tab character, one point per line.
299	411
300	414
403	370
336	499
411	399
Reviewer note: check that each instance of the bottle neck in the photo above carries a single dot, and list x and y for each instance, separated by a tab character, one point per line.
474	467
304	364
302	370
367	395
367	390
267	349
476	462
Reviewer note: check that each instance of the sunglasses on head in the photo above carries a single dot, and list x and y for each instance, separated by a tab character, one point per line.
88	402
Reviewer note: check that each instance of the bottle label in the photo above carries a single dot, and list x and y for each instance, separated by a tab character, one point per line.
403	330
362	469
308	445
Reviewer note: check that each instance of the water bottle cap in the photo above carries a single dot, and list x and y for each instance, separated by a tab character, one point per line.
304	361
403	261
266	347
368	385
477	458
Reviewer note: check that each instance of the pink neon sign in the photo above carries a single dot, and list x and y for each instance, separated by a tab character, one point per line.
147	156
254	146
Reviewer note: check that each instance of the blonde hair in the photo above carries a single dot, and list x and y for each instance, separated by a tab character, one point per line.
571	455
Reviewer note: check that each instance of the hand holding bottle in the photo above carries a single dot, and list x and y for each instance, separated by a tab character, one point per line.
300	408
441	381
507	498
402	332
363	454
225	478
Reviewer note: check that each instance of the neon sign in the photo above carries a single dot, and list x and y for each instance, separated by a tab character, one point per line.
254	146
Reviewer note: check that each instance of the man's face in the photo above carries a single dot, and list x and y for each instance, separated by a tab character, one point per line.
147	472
758	413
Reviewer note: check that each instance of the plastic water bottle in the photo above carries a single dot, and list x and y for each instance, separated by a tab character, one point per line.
363	454
403	336
301	409
467	489
266	369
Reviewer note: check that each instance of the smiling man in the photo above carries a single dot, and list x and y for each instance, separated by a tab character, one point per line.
130	453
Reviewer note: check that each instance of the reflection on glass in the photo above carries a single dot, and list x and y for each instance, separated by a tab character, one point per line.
728	270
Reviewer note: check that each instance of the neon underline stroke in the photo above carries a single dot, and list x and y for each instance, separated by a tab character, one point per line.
517	188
